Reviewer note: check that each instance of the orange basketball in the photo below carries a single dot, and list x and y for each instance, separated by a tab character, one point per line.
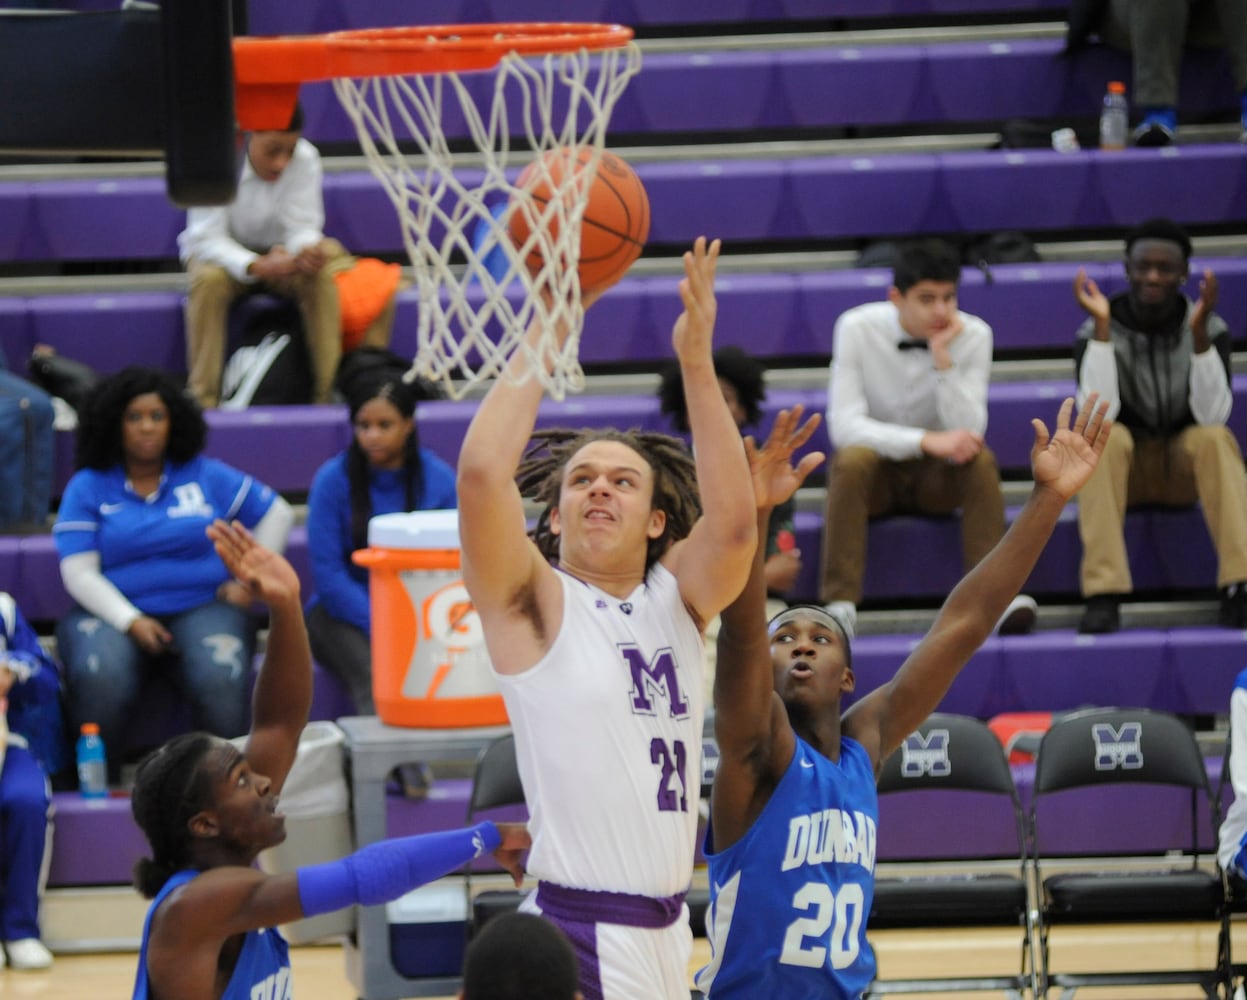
615	224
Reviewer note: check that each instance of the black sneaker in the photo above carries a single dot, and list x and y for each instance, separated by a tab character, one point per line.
1154	134
1233	611
1103	615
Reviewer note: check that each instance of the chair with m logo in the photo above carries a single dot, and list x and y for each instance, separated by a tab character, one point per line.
1154	758
953	768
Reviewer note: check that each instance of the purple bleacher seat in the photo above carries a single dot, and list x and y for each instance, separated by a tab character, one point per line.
110	219
259	440
11	565
1193	183
358	212
15	339
1029	306
717	90
1184	670
910	556
838	85
1017	78
860	195
842	86
1049	672
97	842
1018	189
1201	664
727	199
16	209
825	197
824	295
152	322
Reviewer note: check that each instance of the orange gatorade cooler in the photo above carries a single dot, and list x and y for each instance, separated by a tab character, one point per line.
429	665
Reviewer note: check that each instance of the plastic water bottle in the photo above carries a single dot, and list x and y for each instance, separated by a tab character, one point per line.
1114	117
92	763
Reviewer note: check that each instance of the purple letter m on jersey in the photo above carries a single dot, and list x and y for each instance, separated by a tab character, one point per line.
653	677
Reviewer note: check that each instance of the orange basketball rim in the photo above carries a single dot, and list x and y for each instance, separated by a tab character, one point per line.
269	70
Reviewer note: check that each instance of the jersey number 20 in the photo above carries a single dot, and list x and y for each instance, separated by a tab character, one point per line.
840	912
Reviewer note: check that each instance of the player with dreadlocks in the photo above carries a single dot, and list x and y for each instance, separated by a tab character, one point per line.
208	808
594	628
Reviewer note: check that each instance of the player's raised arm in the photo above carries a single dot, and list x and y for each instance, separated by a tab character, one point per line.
1061	464
500	563
282	698
712	563
751	724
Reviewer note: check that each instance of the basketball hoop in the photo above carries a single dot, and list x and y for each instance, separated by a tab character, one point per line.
521	90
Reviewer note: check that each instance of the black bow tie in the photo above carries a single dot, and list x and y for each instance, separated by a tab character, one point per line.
913	345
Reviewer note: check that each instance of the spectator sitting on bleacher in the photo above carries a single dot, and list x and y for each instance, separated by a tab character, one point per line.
1156	33
906	412
32	747
270	237
26	420
741	379
151	593
383	471
1162	363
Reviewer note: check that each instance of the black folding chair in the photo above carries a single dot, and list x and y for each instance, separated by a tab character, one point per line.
495	783
1101	747
957	753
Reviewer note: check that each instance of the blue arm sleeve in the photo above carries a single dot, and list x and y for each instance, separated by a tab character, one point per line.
388	869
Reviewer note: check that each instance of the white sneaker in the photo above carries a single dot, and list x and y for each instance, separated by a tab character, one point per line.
845	612
28	953
1019	617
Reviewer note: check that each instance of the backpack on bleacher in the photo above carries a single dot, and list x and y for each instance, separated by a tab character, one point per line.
272	366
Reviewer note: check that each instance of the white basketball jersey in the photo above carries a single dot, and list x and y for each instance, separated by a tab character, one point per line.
608	729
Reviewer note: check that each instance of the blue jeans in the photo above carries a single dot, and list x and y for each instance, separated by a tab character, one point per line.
24	801
107	674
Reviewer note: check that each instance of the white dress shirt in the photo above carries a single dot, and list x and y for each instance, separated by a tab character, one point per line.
885	398
289	212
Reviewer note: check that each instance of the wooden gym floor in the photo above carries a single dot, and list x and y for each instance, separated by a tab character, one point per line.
319	971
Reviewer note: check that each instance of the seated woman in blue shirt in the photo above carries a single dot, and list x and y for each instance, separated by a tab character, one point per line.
150	592
382	472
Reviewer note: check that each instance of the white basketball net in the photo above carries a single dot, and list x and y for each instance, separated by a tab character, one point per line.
477	296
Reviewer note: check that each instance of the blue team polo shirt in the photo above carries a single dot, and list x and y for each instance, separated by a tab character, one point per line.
154	549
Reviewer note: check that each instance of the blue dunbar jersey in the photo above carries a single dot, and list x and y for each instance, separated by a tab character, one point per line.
263	968
154	549
789	900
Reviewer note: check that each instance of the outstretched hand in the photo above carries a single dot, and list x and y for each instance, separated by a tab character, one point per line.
774	477
694	328
1065	461
1093	301
1207	301
515	841
267	576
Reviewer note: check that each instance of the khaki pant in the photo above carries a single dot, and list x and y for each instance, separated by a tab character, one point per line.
861	484
1157	33
1201	464
213	290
